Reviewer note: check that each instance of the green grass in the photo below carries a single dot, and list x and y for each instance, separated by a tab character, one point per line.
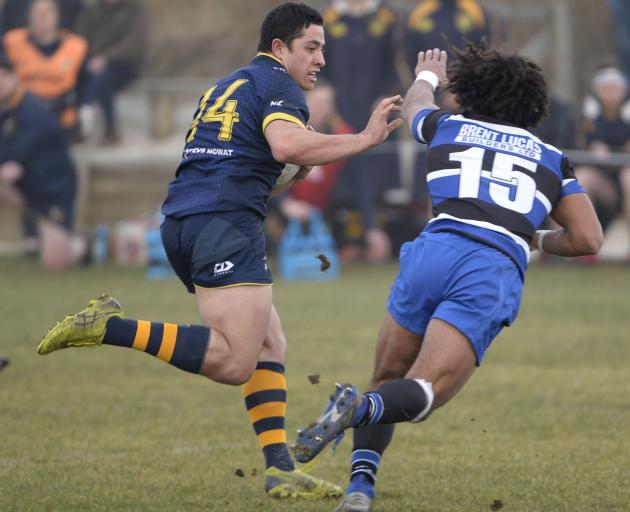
543	425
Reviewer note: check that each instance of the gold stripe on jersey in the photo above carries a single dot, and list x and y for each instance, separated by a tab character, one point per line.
331	15
271	56
282	116
420	13
474	10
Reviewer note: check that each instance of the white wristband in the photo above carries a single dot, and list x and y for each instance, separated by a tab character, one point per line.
541	236
429	76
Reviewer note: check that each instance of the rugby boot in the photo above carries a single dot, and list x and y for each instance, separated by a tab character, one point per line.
355	502
337	417
85	328
298	484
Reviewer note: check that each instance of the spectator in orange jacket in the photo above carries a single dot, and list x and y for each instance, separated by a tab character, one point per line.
47	59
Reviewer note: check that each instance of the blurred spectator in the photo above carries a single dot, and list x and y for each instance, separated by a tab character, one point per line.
316	189
47	59
116	31
360	56
14	14
360	64
431	21
559	128
620	10
36	173
606	125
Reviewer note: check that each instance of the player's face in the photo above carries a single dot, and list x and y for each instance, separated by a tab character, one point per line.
306	56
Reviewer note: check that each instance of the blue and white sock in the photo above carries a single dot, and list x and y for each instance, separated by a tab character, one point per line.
364	467
370	410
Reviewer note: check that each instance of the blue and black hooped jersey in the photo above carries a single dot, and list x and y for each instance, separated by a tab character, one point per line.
227	164
490	181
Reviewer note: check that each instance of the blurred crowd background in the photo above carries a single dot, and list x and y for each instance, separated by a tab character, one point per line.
96	97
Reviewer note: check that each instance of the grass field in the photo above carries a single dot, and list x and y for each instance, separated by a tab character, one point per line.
544	425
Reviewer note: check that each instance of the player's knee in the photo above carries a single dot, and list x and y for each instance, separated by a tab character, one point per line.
235	373
383	375
406	400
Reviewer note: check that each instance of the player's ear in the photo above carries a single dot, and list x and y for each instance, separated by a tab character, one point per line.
277	47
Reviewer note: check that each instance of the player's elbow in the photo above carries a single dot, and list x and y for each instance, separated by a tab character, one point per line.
589	242
284	152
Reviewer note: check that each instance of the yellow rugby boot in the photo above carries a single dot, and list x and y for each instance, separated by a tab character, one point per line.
299	484
85	328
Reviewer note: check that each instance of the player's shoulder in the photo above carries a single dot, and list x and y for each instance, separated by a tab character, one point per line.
267	73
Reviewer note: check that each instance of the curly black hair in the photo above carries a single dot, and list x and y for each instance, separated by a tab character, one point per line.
508	88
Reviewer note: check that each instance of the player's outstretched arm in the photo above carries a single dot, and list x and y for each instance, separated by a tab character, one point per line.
581	232
430	72
290	143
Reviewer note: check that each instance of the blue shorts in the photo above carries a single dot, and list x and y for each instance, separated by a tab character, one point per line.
217	250
472	286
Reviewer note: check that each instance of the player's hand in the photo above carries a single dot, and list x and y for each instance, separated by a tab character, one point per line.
434	61
379	127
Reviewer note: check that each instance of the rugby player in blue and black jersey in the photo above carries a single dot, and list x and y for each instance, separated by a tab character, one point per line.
492	184
246	127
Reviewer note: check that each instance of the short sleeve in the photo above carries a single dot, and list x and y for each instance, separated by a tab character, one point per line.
285	101
570	184
426	122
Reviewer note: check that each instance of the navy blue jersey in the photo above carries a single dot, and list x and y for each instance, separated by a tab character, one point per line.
490	181
227	163
30	135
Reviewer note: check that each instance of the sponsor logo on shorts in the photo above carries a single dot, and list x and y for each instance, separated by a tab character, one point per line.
223	268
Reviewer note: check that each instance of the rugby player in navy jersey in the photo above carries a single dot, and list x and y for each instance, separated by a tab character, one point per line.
492	185
246	127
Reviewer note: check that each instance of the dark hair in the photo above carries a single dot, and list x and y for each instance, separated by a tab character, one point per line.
286	22
508	88
33	2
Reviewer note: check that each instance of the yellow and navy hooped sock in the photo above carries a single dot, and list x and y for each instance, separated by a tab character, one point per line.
266	402
183	346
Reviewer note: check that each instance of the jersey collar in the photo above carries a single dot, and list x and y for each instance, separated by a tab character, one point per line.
270	56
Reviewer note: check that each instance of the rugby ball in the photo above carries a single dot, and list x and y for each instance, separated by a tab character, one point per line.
287	174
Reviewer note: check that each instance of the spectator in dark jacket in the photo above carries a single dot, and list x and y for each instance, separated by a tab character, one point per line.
116	31
361	66
606	127
36	173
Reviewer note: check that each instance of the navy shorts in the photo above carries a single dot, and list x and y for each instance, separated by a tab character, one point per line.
58	208
217	250
468	284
